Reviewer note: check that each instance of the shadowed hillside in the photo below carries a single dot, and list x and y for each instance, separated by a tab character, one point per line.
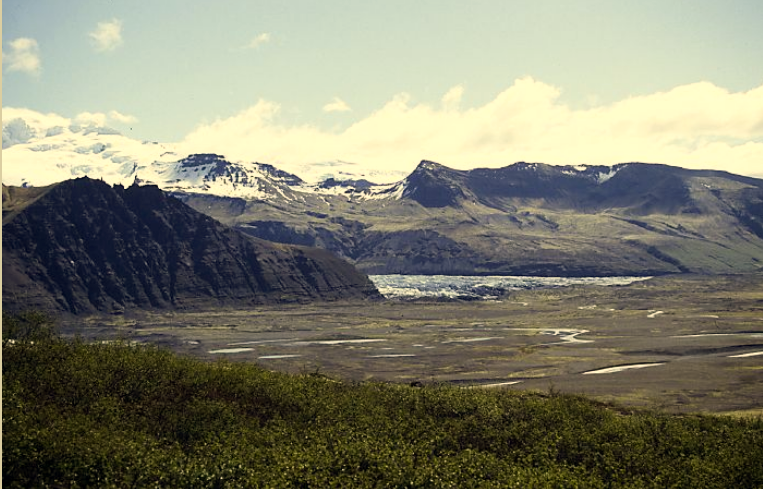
83	246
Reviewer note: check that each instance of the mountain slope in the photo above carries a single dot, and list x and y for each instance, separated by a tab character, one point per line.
83	246
525	219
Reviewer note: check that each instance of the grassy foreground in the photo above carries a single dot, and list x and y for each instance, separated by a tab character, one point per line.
113	415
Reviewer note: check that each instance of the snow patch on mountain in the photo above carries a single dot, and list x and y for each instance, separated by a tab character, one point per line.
394	192
16	131
213	174
597	173
40	149
604	177
22	125
110	157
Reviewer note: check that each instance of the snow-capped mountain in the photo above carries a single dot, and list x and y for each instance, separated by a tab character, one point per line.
36	153
39	151
522	219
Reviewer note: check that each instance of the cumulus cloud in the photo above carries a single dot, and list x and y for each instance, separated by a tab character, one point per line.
452	98
258	41
257	127
122	118
24	56
97	119
336	105
102	119
107	36
33	118
20	125
698	125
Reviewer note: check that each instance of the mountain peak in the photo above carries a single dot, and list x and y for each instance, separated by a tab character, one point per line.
288	178
201	159
431	166
434	185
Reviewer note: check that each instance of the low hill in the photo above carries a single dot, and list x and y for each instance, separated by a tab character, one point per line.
84	246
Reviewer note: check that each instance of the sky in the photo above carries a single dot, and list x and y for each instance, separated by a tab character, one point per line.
483	83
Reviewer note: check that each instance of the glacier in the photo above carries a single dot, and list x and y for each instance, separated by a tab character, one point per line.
478	287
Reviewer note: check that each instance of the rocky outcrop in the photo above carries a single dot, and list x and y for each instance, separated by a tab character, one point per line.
434	185
630	188
84	246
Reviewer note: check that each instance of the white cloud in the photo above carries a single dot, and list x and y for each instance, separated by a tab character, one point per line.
258	41
20	125
96	119
24	56
122	118
107	36
103	119
34	118
452	98
336	105
698	125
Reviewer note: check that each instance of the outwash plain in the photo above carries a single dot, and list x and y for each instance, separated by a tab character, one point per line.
682	343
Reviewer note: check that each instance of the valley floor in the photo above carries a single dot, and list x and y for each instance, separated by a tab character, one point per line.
680	343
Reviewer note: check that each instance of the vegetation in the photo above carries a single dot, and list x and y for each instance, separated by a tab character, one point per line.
119	415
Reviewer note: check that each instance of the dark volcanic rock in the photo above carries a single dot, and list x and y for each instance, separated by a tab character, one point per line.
359	184
633	188
84	246
434	185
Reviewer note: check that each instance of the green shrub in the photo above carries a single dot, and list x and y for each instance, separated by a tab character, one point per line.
116	415
27	326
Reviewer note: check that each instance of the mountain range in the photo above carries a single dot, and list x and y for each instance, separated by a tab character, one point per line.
82	246
522	219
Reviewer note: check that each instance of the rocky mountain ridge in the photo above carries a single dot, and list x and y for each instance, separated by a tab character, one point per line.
524	219
83	246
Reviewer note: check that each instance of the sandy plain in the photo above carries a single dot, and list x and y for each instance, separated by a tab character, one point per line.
703	349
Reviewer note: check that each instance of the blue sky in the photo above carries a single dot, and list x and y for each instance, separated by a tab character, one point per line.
466	83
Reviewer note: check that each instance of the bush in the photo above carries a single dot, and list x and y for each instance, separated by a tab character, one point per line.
115	415
27	326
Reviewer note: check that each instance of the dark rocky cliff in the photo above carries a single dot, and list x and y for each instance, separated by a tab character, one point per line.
83	246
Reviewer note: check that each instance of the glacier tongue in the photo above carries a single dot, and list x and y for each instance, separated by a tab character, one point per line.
478	287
